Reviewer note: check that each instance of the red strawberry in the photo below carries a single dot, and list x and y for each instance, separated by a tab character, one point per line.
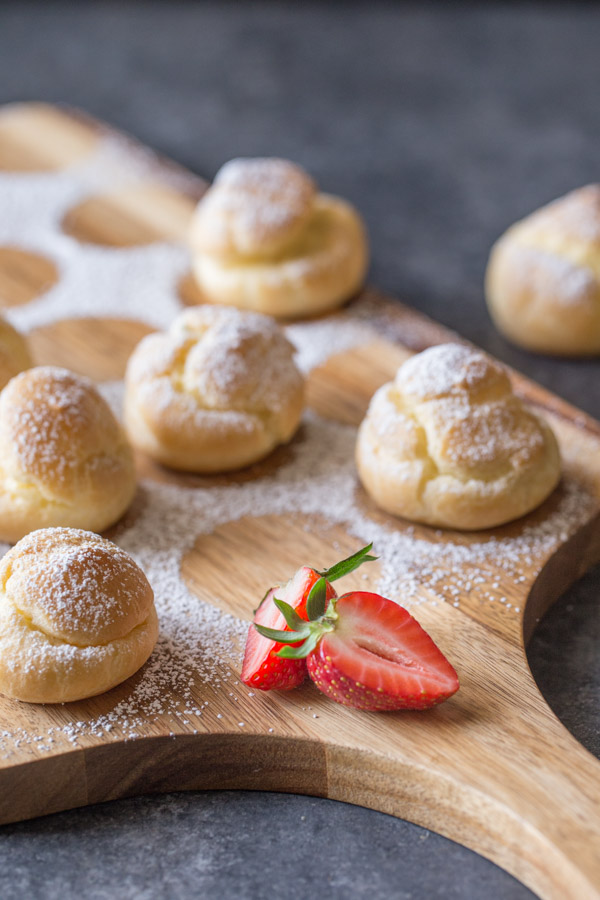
379	657
263	667
369	653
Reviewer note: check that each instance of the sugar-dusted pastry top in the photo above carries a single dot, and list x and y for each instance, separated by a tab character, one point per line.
64	458
449	443
256	207
77	616
264	239
543	277
14	353
216	392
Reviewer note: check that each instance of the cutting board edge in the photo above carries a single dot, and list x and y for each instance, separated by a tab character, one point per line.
185	762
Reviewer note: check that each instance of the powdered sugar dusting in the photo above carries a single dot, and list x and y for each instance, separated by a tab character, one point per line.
574	216
237	360
552	275
75	586
192	670
38	416
138	282
316	341
253	205
397	322
199	643
552	254
445	369
464	401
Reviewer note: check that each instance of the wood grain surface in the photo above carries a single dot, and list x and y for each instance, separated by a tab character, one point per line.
492	768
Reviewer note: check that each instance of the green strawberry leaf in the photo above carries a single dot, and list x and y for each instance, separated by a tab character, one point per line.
303	650
345	566
290	615
316	600
283	636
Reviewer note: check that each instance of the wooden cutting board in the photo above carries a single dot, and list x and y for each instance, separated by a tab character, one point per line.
492	768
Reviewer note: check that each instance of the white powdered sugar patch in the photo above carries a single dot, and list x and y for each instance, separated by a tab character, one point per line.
34	203
316	341
199	643
234	360
576	216
134	283
113	392
253	203
399	323
199	647
72	583
444	369
547	273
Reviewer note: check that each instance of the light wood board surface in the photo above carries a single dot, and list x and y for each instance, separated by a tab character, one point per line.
492	768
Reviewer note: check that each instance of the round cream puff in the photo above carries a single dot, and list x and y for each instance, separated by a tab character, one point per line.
264	239
77	617
448	443
543	277
64	458
217	392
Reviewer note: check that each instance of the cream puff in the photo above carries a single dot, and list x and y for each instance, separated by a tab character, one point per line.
448	443
543	277
64	458
77	617
217	392
264	239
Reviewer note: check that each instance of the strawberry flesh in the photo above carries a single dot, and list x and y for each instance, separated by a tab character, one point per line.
262	668
379	658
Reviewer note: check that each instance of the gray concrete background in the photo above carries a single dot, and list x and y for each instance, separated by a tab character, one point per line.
443	123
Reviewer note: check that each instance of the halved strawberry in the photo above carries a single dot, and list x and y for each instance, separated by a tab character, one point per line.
369	653
263	668
379	657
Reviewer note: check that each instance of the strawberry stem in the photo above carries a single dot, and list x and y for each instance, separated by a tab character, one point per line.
311	631
317	599
290	615
281	637
302	651
345	566
321	615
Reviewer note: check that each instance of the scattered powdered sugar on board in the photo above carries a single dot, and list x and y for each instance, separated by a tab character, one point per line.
113	392
411	567
315	341
199	649
201	644
397	323
34	203
134	283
